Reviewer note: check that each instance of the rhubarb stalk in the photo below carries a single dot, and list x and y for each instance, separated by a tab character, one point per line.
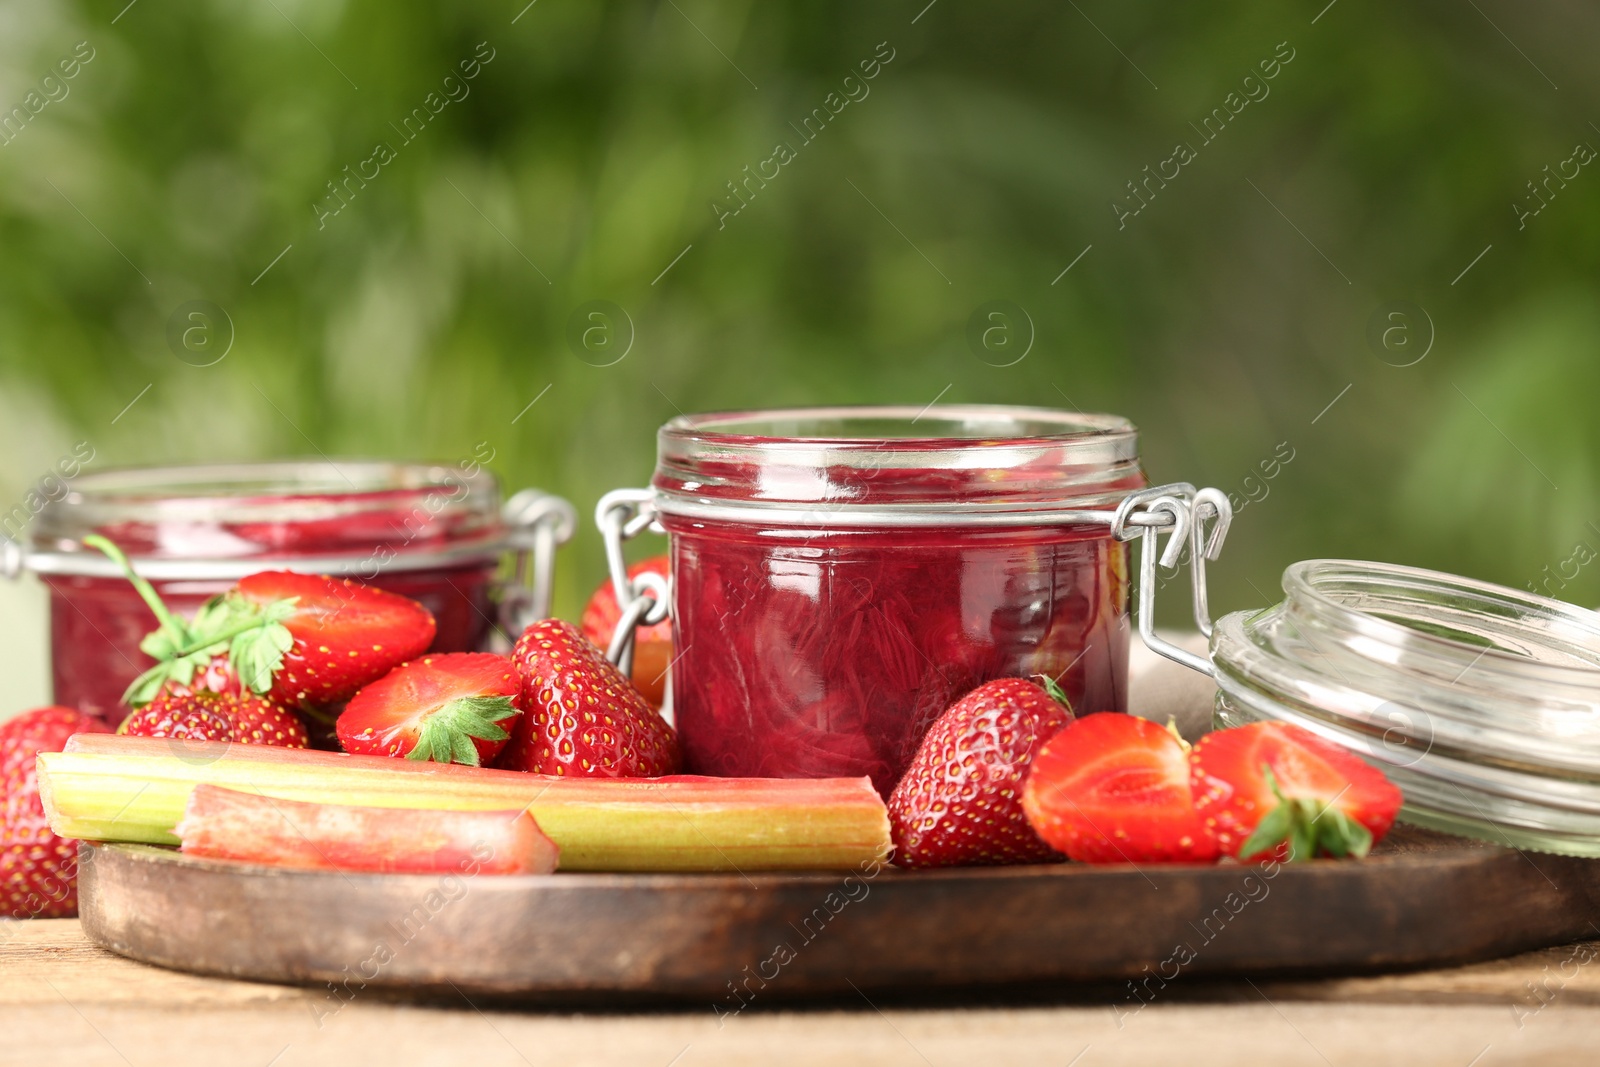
106	787
227	824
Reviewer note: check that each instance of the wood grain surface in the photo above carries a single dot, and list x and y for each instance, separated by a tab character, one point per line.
65	1001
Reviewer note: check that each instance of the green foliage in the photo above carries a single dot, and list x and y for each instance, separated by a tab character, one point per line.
426	314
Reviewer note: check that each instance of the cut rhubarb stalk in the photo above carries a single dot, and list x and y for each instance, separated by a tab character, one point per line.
107	787
227	824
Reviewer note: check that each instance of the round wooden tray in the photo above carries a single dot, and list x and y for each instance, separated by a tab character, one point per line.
1421	899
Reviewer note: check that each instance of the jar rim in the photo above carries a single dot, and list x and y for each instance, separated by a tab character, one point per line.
1552	630
280	509
1046	426
894	460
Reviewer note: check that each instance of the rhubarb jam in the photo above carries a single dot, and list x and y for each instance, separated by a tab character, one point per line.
435	534
841	576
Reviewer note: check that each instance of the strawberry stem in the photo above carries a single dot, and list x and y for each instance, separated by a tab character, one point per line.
145	589
1053	687
1172	728
253	635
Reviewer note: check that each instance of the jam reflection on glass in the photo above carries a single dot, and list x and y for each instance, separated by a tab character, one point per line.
830	655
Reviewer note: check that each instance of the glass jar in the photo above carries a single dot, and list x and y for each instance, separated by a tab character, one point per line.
433	533
841	575
1481	702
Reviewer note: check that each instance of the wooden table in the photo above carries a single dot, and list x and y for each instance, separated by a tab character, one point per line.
62	1000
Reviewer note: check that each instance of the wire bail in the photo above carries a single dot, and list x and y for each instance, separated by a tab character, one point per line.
538	524
622	515
1196	522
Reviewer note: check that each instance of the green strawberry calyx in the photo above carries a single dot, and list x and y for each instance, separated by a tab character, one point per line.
1311	827
447	733
253	635
1053	687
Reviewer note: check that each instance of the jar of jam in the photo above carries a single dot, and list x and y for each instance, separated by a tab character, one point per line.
437	534
840	576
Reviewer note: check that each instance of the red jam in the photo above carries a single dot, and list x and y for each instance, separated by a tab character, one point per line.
819	637
433	534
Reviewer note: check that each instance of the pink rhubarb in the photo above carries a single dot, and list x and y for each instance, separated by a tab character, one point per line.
227	824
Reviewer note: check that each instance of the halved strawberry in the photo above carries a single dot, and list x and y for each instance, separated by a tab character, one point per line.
38	870
580	715
960	800
343	635
1273	789
1112	788
450	708
207	715
652	645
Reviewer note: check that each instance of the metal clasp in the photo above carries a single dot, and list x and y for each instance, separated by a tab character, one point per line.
622	515
538	524
1196	520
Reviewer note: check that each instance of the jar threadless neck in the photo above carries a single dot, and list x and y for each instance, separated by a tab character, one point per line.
940	460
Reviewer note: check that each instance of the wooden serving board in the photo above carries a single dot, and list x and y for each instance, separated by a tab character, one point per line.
1421	899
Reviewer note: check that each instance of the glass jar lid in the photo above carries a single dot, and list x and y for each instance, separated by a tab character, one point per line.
1481	702
209	520
868	465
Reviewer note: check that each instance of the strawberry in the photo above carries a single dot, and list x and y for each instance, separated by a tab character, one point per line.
38	870
205	715
960	800
1273	789
300	639
1112	788
345	634
580	715
449	708
652	645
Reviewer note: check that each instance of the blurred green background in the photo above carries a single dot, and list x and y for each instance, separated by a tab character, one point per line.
1377	173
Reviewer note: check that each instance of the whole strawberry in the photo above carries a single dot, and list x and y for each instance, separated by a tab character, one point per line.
38	870
580	716
960	800
203	715
299	639
341	635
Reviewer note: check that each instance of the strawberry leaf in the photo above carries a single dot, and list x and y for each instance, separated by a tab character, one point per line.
257	654
1341	836
1311	828
162	644
212	621
1302	834
145	687
1273	829
447	734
